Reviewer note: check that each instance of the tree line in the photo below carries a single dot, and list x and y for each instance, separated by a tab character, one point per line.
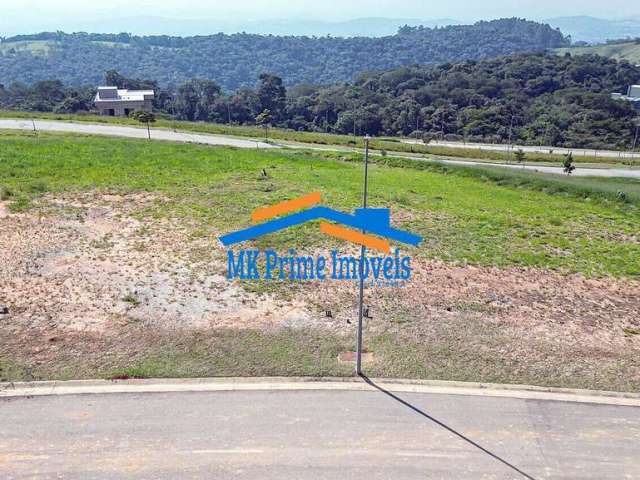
526	98
236	60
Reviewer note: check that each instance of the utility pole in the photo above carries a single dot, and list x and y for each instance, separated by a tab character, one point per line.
510	132
363	251
354	127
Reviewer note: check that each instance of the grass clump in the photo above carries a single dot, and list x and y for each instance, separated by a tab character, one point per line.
5	193
131	299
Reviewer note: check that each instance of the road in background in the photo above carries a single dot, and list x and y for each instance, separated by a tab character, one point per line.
130	132
220	140
577	152
314	435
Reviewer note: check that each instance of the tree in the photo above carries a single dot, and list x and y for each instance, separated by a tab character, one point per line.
196	100
272	95
144	117
264	119
114	79
520	156
567	164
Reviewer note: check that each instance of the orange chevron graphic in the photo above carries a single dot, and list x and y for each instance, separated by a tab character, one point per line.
267	213
355	237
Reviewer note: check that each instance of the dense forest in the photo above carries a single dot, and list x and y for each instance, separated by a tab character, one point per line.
236	60
529	98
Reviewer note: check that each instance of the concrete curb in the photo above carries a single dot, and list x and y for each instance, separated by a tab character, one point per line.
524	392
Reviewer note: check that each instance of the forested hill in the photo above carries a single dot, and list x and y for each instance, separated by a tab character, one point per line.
538	99
236	60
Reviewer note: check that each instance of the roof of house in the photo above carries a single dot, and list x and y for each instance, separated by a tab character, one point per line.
123	95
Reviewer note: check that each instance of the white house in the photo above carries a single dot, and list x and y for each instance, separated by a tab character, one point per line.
634	92
115	102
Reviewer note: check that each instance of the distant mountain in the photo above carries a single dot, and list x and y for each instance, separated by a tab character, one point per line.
237	60
596	30
153	25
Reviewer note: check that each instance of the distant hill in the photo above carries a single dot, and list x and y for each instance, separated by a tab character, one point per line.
596	30
359	27
619	51
237	60
158	25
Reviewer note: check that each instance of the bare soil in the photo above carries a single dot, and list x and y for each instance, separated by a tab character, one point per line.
93	264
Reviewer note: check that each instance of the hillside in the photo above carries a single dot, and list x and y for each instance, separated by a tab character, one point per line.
236	60
539	99
596	30
181	27
629	51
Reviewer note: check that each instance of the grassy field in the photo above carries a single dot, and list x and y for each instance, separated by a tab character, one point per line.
42	47
36	47
393	145
621	51
474	221
486	210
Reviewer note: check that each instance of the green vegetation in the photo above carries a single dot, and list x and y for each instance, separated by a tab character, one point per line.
531	99
301	139
442	355
33	47
234	60
479	216
618	51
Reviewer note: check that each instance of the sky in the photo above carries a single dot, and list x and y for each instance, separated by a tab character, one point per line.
28	12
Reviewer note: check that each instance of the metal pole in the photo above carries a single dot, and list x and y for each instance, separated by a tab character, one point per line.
363	252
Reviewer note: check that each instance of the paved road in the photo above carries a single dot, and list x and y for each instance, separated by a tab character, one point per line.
160	134
314	435
130	132
577	152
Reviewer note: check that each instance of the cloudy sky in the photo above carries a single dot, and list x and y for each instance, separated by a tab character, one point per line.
42	10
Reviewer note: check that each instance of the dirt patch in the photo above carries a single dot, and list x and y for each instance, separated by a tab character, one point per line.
89	263
100	265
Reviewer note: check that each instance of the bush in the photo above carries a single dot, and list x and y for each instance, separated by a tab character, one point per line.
38	187
5	193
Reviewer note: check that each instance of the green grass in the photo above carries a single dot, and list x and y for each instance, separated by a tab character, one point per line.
36	47
446	354
621	51
321	139
467	215
621	190
214	353
483	216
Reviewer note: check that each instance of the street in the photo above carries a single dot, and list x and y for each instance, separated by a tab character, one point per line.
311	434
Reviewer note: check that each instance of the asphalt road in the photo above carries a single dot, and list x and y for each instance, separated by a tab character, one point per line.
314	435
577	152
220	140
130	132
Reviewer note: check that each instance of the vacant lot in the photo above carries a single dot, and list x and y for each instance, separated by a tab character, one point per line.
111	266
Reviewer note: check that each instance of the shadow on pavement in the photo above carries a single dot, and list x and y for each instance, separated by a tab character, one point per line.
446	427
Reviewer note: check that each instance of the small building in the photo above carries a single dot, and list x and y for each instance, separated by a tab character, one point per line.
115	102
633	96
